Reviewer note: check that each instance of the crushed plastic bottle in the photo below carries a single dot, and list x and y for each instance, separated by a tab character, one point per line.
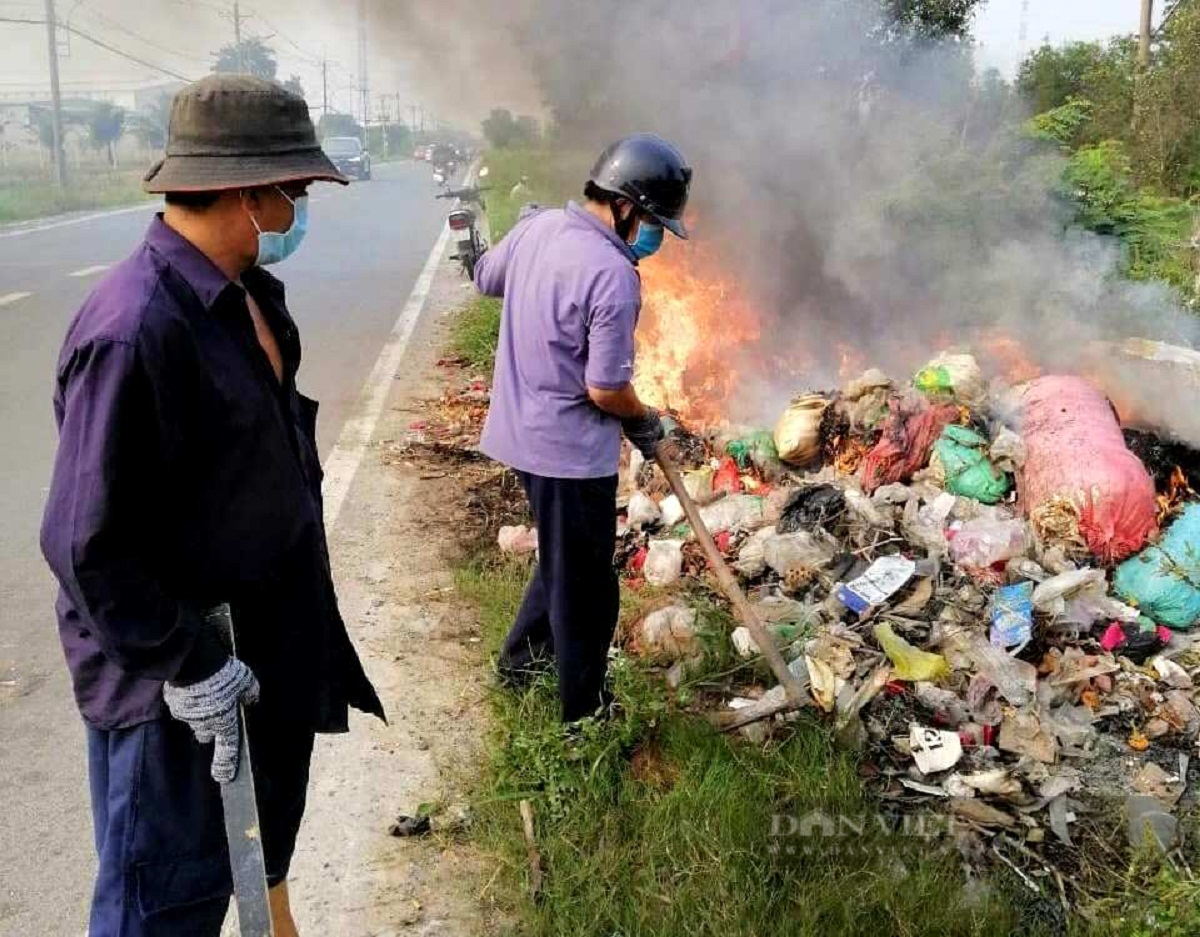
985	542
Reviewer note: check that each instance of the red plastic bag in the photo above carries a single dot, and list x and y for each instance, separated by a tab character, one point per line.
906	444
728	478
1079	472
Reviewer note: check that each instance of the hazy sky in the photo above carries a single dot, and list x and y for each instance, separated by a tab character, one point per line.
181	35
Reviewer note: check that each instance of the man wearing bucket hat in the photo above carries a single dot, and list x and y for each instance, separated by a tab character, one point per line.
187	476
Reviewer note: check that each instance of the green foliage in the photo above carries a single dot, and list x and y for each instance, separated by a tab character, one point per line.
1156	230
30	198
932	19
503	131
252	57
151	122
1061	124
338	125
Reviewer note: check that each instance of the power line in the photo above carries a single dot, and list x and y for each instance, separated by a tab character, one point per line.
150	42
74	30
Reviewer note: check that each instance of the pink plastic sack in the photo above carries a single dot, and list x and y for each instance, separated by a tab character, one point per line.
1080	482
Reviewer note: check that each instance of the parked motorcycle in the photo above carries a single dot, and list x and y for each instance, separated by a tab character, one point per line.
463	224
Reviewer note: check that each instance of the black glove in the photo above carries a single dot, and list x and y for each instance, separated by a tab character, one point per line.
645	432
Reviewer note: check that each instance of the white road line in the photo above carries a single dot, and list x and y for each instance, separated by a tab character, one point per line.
342	463
81	219
90	271
8	298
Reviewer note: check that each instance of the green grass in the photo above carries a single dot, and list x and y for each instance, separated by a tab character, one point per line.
475	333
36	198
655	824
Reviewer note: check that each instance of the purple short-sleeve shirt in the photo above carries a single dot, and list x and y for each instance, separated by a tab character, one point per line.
571	300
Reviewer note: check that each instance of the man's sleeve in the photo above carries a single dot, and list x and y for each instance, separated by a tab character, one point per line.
492	267
610	345
99	530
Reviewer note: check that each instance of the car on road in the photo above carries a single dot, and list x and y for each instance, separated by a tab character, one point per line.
348	155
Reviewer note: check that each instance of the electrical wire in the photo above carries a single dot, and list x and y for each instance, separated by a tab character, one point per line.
76	31
113	24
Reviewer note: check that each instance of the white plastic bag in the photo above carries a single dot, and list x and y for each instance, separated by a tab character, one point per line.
672	510
519	539
984	542
669	634
664	562
642	511
752	561
735	512
800	550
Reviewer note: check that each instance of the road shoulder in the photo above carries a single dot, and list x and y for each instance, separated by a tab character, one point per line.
392	567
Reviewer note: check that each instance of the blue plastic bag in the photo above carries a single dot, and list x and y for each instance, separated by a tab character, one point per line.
1164	580
1012	617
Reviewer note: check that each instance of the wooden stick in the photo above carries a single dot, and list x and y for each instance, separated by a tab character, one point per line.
761	636
531	850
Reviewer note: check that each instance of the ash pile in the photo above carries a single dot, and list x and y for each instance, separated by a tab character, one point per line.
988	591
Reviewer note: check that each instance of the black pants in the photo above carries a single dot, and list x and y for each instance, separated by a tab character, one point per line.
570	609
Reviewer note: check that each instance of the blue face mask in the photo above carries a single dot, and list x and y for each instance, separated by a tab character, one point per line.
649	240
274	246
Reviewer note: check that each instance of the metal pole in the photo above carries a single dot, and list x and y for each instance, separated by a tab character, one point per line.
364	89
324	86
60	162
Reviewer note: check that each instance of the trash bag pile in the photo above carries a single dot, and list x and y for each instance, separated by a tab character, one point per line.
986	590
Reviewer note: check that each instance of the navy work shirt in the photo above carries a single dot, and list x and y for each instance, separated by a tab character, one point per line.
187	475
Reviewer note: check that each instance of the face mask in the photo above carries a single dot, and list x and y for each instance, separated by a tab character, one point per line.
649	240
274	246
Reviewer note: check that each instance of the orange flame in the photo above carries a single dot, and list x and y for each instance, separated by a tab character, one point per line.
690	324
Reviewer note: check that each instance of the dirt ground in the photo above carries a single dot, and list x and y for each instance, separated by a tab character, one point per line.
391	550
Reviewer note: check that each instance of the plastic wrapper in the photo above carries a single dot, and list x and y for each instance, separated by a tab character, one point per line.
756	450
1015	680
954	377
1080	483
1164	579
727	478
908	662
672	510
960	459
906	440
883	579
1007	451
735	512
1012	617
669	634
519	539
982	543
798	433
664	562
642	511
800	550
699	485
1080	596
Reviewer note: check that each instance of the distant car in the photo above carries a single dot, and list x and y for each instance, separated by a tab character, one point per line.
348	155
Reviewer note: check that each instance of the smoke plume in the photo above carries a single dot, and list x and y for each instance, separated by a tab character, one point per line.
870	195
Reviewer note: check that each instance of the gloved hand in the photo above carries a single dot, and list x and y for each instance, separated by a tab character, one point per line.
210	709
645	432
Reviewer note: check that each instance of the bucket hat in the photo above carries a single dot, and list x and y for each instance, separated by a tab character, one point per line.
236	132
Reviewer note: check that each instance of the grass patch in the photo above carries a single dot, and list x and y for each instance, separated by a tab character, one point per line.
654	824
36	198
476	332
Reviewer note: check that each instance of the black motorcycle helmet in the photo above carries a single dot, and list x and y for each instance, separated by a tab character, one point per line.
651	173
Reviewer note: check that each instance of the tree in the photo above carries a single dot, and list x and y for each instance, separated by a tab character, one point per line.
399	138
105	124
1049	76
293	85
503	131
151	122
339	125
931	19
252	57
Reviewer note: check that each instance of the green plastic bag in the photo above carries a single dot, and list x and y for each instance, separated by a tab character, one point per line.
755	450
962	454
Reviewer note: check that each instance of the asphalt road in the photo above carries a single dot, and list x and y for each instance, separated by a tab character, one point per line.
346	286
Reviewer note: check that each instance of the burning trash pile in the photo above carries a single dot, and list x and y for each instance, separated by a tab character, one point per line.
985	589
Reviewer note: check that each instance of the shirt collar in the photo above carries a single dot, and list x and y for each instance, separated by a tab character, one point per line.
200	273
579	213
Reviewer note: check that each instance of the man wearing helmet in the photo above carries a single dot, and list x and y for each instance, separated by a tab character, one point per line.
562	393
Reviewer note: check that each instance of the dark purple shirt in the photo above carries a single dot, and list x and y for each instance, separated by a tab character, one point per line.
187	475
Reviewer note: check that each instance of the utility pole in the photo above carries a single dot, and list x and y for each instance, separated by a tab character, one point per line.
56	123
237	36
363	87
1143	58
324	85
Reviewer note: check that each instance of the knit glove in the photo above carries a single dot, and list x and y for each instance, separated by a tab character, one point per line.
645	432
210	709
